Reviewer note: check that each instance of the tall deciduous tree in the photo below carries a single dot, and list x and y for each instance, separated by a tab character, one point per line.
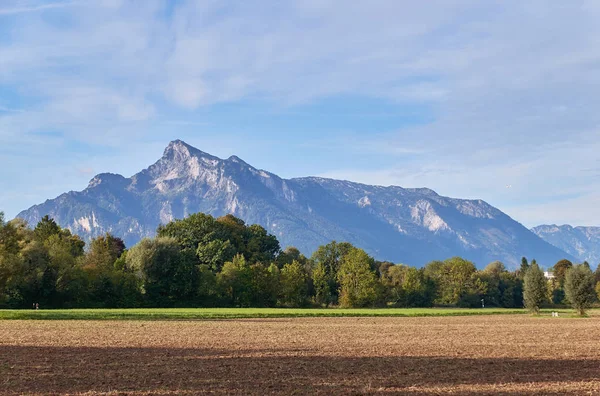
320	280
455	280
579	288
358	282
169	275
293	285
330	257
235	279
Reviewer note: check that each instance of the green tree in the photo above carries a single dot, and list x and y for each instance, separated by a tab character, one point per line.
45	228
196	229
455	280
216	241
560	271
11	237
236	231
321	285
289	255
476	291
208	291
35	276
579	288
511	290
293	285
235	279
408	287
433	271
10	281
535	288
262	247
39	265
330	256
104	251
383	267
264	287
492	276
358	282
274	280
168	274
597	273
215	253
420	289
63	262
393	281
524	267
254	242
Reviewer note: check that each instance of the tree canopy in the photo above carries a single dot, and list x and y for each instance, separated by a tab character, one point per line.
211	262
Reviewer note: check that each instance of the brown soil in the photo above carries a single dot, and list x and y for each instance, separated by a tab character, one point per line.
464	355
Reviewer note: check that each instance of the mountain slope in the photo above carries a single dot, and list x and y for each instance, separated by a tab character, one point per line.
412	226
581	242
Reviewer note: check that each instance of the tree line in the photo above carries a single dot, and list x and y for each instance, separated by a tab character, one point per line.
202	261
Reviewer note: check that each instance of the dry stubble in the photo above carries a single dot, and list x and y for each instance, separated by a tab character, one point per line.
483	354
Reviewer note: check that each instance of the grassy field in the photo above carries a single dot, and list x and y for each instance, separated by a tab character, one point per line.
508	354
238	313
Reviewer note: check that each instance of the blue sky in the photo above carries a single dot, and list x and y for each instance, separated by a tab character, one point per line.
464	97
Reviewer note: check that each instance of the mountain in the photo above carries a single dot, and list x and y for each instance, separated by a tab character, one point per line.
581	242
408	225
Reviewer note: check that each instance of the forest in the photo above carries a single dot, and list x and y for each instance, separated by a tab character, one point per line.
202	261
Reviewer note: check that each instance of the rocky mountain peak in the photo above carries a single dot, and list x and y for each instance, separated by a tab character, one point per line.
413	226
104	178
180	151
236	159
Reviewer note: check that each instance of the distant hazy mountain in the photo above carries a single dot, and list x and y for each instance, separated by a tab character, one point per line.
412	226
581	242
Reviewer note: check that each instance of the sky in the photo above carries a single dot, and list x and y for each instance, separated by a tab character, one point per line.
494	100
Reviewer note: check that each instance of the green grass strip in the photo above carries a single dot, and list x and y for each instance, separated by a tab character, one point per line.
240	313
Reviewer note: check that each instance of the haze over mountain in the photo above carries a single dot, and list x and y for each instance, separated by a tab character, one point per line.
407	225
580	242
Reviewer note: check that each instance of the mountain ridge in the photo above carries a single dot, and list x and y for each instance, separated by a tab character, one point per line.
582	242
410	225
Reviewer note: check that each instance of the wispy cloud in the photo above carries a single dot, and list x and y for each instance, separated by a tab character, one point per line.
4	109
23	8
508	88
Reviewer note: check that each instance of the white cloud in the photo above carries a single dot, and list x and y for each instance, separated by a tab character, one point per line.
22	8
511	86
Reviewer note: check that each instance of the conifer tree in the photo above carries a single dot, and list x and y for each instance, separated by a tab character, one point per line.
535	288
524	267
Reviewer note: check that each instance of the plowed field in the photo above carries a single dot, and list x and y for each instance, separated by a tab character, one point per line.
474	355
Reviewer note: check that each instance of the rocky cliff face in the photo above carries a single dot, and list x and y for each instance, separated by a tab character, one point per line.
411	226
583	243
